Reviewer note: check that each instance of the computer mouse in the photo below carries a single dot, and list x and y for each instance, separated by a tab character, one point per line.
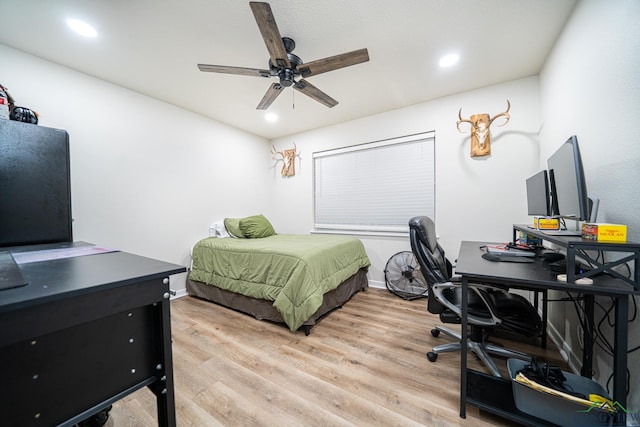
552	256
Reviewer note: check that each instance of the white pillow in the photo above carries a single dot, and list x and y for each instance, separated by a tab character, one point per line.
217	229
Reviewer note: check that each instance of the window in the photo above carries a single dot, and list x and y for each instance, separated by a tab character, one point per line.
375	187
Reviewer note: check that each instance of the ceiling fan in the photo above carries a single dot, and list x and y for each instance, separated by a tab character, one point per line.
286	66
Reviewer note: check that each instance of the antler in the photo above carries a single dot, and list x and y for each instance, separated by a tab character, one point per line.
459	122
505	114
276	152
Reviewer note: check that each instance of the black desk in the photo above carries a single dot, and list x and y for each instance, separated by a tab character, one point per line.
535	276
85	332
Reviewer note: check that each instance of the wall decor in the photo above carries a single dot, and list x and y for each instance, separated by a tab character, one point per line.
480	130
288	158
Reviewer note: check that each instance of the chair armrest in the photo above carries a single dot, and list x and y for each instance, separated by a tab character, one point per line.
438	291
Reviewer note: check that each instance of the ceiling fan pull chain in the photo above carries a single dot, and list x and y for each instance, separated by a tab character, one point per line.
293	99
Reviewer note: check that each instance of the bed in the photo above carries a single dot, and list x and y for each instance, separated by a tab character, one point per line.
285	278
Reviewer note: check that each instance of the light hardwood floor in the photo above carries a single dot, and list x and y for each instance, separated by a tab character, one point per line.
362	365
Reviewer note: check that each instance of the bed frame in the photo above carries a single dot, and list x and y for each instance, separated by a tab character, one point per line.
264	310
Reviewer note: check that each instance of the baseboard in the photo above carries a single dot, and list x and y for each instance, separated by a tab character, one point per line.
377	284
179	294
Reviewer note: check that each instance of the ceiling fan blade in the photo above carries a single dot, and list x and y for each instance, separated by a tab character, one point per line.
333	62
271	95
315	93
242	71
270	33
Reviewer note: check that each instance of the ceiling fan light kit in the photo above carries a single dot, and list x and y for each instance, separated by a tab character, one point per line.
286	66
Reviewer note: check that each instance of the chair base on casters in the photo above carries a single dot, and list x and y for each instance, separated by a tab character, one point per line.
478	347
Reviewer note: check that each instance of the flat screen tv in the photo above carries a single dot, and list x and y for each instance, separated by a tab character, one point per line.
35	186
538	200
568	184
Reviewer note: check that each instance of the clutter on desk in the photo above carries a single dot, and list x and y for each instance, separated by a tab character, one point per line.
522	246
510	249
528	239
497	258
509	252
546	223
8	109
605	232
580	281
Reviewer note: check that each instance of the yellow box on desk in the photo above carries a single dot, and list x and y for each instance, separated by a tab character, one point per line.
605	232
542	223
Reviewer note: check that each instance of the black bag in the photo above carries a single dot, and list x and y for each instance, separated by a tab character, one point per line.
19	114
22	114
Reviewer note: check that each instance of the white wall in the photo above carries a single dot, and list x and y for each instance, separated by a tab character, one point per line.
476	198
147	177
590	87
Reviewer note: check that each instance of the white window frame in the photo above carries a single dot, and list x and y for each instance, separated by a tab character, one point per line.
349	196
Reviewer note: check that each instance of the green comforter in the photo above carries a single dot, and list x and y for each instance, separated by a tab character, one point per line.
293	271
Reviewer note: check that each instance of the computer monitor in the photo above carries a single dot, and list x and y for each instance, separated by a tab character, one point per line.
569	198
538	200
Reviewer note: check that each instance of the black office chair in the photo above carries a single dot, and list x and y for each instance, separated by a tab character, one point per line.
489	307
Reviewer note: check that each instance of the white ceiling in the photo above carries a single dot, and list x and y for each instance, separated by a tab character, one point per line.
153	46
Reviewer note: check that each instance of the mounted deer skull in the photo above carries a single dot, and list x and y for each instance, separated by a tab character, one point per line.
480	133
288	157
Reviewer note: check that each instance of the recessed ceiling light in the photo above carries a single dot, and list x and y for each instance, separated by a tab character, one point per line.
271	117
449	60
82	28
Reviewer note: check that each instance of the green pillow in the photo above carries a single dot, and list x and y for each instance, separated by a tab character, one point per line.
233	226
256	227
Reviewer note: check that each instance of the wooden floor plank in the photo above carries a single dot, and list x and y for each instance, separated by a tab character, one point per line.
363	364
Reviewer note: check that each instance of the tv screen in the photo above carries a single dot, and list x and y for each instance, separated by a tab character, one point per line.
568	185
538	203
35	188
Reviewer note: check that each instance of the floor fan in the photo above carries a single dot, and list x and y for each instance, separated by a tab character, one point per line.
403	277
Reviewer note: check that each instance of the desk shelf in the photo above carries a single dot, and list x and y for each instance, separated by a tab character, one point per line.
576	245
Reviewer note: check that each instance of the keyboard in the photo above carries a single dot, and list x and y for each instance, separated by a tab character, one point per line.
509	252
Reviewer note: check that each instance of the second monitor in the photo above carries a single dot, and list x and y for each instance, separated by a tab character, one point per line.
538	200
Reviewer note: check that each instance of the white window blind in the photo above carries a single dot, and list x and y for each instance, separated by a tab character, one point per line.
376	186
